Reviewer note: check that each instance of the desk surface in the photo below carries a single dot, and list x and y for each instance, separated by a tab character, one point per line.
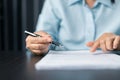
17	66
20	66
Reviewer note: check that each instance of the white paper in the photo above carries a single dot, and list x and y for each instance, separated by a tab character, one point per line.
74	60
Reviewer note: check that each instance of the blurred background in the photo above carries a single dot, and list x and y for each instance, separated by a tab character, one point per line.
15	17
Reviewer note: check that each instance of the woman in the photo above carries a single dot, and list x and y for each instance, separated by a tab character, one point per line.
77	25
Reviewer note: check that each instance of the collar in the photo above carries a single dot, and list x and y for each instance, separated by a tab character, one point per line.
105	2
71	2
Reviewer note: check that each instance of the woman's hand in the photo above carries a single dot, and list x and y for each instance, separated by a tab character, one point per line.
38	45
107	42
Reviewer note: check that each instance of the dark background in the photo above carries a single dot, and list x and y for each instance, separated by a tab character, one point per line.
15	17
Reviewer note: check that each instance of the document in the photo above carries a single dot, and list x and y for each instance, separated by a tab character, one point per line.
76	60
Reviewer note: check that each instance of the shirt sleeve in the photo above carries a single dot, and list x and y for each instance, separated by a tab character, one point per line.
48	21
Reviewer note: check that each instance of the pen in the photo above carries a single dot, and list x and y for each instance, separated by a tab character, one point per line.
37	35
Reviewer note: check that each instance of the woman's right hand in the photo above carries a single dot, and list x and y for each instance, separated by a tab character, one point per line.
39	45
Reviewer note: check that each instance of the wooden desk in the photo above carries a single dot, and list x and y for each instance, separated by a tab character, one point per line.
17	66
20	66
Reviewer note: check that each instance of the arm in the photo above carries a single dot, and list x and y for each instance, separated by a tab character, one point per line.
47	27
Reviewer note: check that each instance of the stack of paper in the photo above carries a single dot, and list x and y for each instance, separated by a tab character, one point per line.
74	60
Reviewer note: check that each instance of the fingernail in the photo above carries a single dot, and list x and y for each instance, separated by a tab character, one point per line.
115	47
91	50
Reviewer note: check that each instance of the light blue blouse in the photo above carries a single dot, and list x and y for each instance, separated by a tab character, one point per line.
73	23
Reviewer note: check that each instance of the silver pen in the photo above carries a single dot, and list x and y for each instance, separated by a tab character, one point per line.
37	35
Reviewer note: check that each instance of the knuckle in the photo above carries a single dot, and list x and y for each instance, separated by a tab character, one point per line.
101	41
110	38
45	40
26	40
96	44
42	40
40	46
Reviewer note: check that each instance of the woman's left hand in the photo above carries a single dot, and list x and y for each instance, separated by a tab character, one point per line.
107	42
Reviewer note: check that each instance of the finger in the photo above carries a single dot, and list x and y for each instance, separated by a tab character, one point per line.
109	43
39	52
103	45
41	40
28	39
95	46
38	46
42	33
90	44
116	42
